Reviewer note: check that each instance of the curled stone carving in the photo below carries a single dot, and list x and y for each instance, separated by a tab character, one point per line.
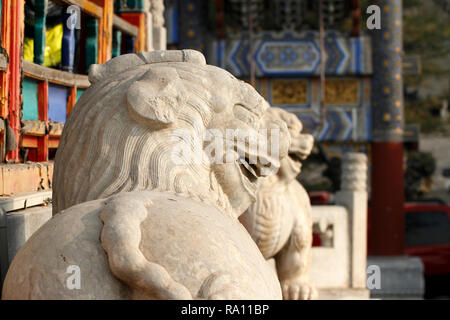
157	10
354	172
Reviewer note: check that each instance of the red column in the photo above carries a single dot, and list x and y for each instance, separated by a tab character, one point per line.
42	150
14	69
356	17
6	44
106	28
137	19
386	219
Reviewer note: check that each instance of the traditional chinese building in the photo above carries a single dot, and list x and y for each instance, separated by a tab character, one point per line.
279	44
318	60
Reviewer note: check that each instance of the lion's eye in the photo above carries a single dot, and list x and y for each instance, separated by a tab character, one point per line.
246	116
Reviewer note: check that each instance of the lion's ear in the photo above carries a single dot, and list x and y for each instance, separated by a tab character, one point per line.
99	72
157	97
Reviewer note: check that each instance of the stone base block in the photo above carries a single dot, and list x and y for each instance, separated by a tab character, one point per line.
343	294
401	277
16	228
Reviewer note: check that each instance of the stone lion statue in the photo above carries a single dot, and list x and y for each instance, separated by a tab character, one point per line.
280	220
134	216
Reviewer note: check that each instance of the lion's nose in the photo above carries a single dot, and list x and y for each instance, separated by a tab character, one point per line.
265	148
301	144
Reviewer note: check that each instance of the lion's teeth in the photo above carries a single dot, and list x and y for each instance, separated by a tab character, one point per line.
248	167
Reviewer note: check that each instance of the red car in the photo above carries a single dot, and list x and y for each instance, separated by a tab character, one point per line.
427	236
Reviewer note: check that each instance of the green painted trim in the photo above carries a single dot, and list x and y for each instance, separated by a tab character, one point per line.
30	99
117	43
129	6
40	18
80	93
91	42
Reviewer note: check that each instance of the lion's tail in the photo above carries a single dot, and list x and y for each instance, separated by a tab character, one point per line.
120	238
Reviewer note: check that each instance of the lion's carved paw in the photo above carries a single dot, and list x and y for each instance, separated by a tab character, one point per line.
219	286
294	289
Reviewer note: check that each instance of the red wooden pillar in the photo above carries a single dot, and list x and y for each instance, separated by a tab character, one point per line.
72	100
42	150
356	17
106	29
6	43
387	223
14	70
220	19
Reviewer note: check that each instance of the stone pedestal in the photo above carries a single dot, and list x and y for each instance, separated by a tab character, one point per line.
343	294
18	226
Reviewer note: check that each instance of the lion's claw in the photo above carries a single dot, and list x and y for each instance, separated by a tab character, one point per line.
298	290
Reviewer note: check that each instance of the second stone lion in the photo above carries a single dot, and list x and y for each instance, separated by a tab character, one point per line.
280	220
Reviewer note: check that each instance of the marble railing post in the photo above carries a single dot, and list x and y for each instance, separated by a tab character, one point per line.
353	196
159	31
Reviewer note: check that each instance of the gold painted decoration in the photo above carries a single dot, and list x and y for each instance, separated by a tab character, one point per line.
342	91
289	92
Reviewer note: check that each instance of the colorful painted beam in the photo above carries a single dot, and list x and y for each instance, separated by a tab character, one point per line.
347	102
130	6
38	72
88	6
292	54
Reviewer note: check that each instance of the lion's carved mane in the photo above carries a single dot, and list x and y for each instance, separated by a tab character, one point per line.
120	150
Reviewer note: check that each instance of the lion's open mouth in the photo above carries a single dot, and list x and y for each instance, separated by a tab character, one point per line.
250	171
295	161
295	157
